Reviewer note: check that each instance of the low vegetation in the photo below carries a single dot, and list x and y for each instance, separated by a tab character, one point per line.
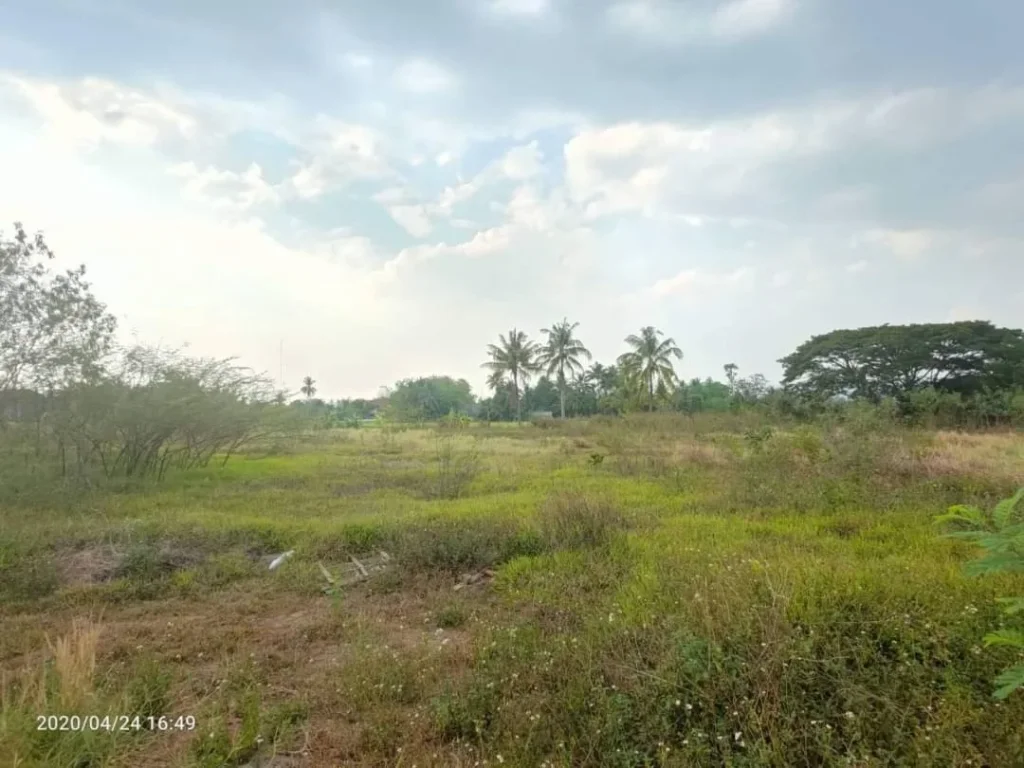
704	595
194	572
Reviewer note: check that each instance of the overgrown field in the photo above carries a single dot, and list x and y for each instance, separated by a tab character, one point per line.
646	591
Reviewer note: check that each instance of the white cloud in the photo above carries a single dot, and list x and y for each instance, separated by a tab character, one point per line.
310	181
519	7
359	62
857	266
87	112
528	209
225	190
960	313
700	167
517	164
423	76
391	195
339	153
228	288
523	162
412	218
690	281
487	242
746	18
666	22
905	244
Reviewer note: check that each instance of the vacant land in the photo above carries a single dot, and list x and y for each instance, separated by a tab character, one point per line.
647	591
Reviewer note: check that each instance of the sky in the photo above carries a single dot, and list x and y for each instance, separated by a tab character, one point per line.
365	191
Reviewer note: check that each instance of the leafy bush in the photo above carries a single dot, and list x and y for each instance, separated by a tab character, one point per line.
1000	533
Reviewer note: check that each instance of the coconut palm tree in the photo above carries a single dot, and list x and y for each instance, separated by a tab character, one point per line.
513	356
308	387
562	353
496	380
649	362
602	377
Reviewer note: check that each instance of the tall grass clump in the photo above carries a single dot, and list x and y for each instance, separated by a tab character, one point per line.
574	520
456	465
63	683
446	544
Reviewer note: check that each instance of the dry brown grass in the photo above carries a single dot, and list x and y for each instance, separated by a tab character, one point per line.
72	659
992	457
701	454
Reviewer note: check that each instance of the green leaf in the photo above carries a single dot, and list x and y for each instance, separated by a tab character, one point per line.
1010	637
1004	509
1013	605
1009	681
963	515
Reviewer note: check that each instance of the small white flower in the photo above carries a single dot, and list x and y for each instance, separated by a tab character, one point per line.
848	715
737	736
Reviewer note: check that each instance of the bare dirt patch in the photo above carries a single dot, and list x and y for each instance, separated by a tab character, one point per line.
299	648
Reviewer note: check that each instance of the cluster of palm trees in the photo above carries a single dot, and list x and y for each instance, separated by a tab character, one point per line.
647	367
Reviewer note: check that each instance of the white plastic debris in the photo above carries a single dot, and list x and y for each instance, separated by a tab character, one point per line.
281	558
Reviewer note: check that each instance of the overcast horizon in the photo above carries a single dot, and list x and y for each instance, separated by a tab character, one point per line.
389	186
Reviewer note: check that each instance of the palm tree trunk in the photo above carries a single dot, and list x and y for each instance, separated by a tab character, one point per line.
650	395
561	389
515	392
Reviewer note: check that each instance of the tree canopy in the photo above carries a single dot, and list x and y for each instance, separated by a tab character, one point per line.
514	357
893	360
430	398
648	364
53	331
562	353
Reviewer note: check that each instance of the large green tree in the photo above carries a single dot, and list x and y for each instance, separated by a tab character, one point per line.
648	364
53	331
514	356
542	396
697	396
562	353
430	398
894	360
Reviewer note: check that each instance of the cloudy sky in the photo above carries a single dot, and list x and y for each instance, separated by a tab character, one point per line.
386	186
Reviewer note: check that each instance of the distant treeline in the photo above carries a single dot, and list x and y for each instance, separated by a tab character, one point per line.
73	403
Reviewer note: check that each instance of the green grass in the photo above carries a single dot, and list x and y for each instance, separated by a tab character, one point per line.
708	593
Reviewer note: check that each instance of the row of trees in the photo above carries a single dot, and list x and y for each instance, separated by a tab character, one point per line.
646	370
954	374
